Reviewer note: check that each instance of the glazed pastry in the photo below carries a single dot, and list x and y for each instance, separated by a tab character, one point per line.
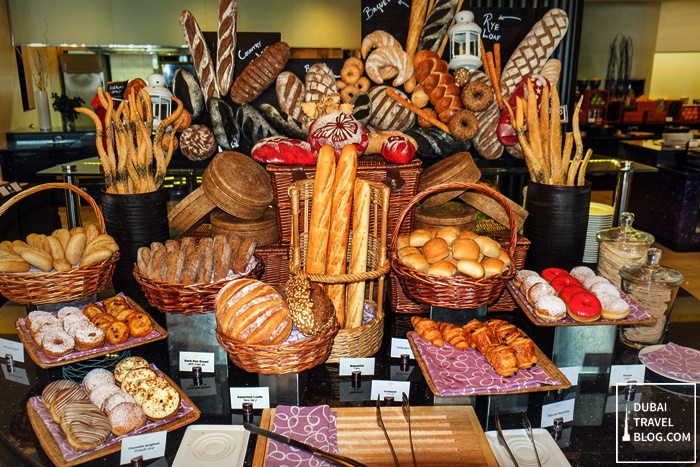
134	377
146	384
126	365
63	398
503	360
48	395
161	403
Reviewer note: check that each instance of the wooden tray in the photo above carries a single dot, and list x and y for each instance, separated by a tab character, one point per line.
637	314
442	436
542	361
51	446
43	361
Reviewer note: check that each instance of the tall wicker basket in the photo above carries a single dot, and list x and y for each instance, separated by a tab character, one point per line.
366	339
39	288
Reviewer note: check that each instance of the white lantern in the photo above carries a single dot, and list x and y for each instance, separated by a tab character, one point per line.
161	98
465	48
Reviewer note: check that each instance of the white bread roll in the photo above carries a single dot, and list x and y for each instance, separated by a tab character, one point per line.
358	253
465	248
442	268
408	250
436	249
492	266
320	218
471	268
489	247
416	261
450	233
418	237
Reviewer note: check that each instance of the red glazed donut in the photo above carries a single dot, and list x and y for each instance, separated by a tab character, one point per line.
584	307
550	273
562	281
569	290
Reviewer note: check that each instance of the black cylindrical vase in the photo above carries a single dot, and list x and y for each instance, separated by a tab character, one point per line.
134	220
556	225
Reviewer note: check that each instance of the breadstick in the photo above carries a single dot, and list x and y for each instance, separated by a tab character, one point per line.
566	155
555	154
544	133
358	253
320	218
497	60
571	179
533	125
416	110
581	180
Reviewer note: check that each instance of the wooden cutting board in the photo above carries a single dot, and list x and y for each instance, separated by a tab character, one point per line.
448	436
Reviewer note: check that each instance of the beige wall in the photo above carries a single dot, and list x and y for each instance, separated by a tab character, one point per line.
678	27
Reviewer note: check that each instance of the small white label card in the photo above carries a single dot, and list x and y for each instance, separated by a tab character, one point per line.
564	409
203	359
259	396
623	374
149	446
12	347
364	365
384	388
571	373
399	347
18	376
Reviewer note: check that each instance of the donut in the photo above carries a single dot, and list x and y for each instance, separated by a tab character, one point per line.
126	365
591	281
602	289
117	333
582	273
100	394
126	417
538	290
89	337
56	342
134	377
51	391
139	324
350	74
463	125
84	425
348	93
529	281
614	307
520	275
569	290
69	311
550	308
476	96
355	62
71	324
363	84
584	307
114	400
146	384
97	377
63	398
550	273
161	403
36	319
562	281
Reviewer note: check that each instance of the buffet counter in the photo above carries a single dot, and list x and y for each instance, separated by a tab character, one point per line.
589	439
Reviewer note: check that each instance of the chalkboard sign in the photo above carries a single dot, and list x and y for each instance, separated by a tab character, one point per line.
249	45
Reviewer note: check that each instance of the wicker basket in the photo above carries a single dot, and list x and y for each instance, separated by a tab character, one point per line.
39	288
401	179
293	357
457	292
187	299
365	340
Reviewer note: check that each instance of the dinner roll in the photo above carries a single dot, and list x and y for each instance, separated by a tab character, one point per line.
449	233
409	250
419	236
492	266
504	257
489	247
436	249
402	241
417	262
465	248
468	234
471	268
442	268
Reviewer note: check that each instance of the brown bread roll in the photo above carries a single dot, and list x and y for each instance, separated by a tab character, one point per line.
95	256
320	219
156	265
235	242
75	247
222	256
252	312
143	257
408	250
174	265
205	253
418	237
39	241
191	268
30	238
37	258
489	247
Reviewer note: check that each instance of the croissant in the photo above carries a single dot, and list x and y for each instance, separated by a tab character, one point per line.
427	329
377	39
433	74
453	334
503	360
389	62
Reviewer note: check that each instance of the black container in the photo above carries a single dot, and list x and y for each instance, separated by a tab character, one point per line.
134	220
556	225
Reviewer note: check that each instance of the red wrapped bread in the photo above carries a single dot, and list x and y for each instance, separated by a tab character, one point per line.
398	149
281	150
505	131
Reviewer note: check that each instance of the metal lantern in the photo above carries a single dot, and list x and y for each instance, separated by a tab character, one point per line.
161	97
465	48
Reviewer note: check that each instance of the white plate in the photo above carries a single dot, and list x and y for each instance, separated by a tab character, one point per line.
521	446
651	348
600	209
212	446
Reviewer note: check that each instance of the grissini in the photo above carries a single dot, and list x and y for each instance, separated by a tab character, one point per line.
343	187
358	253
226	44
320	219
200	54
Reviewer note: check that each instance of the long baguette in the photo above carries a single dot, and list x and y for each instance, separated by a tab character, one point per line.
358	253
320	222
226	44
343	187
201	56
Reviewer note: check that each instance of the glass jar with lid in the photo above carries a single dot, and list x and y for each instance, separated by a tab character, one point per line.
654	288
621	246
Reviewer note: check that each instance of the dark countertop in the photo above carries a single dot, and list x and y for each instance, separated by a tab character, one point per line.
588	440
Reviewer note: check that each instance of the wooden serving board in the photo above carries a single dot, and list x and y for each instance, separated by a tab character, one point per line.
53	451
35	353
448	436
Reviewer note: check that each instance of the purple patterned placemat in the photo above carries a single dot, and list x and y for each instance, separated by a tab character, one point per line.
70	453
456	372
311	425
674	360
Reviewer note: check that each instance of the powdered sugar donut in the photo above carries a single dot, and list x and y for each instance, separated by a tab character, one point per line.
68	311
602	289
126	417
550	307
114	400
614	307
539	289
582	273
55	342
591	281
97	377
529	282
521	275
36	319
100	394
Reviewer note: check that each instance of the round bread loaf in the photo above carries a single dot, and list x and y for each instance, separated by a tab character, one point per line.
197	143
252	312
309	305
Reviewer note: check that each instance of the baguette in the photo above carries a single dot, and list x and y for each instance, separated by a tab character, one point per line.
320	218
341	208
226	44
358	253
200	54
205	252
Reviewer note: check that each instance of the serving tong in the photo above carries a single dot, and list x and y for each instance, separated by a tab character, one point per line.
528	427
502	438
380	423
406	407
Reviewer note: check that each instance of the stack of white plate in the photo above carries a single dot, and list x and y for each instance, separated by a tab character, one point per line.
600	216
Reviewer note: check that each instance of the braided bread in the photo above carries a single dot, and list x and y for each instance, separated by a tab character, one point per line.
389	62
432	73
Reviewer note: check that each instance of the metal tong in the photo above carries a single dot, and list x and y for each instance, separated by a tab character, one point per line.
380	422
503	440
406	407
528	427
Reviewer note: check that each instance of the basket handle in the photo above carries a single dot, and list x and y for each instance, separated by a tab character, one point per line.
58	185
459	186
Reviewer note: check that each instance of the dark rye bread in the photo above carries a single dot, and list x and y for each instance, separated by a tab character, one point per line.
186	88
223	123
283	123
